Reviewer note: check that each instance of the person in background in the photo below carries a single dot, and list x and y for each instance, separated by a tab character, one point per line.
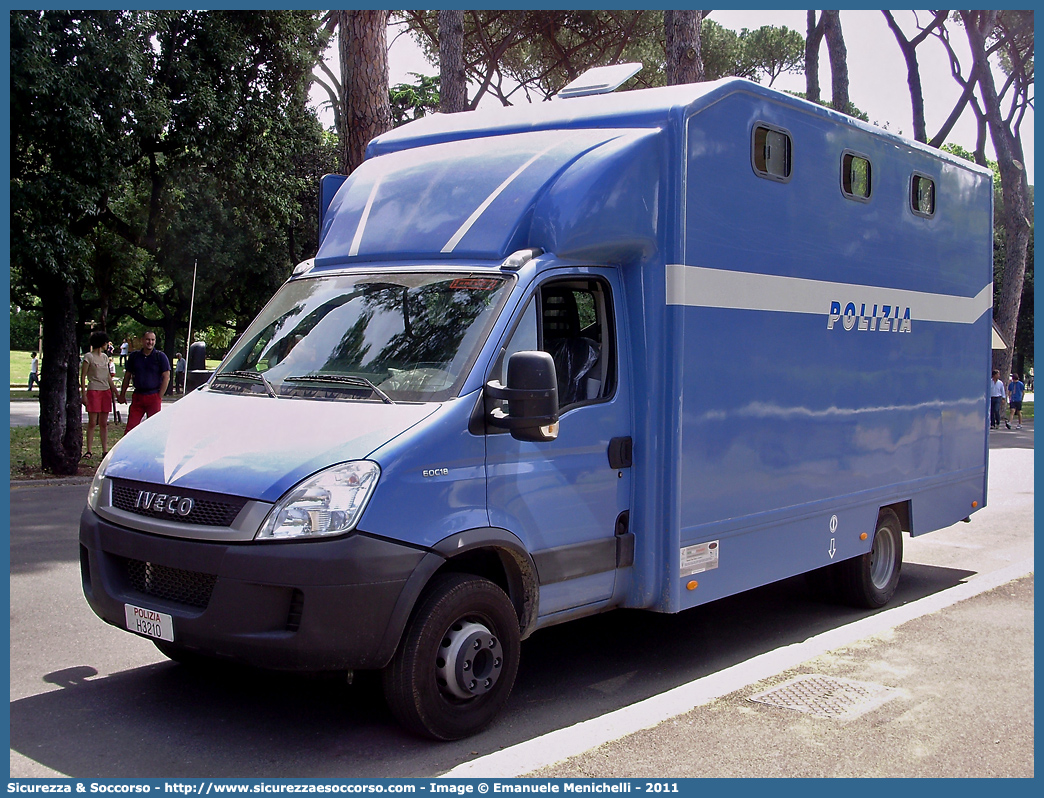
149	369
996	399
179	373
1016	390
97	387
34	371
112	382
124	349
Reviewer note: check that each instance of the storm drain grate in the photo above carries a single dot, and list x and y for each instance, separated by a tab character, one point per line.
827	696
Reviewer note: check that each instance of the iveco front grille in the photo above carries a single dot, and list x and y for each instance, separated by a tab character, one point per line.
179	506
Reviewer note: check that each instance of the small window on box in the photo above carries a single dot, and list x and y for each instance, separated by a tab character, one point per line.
922	195
855	176
771	154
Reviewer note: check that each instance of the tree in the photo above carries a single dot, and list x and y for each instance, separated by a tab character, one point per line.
363	48
913	70
527	55
453	83
1011	36
68	104
411	101
531	55
813	41
682	33
838	60
119	119
722	52
772	51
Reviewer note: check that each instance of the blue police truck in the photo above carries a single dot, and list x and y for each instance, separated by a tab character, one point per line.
637	349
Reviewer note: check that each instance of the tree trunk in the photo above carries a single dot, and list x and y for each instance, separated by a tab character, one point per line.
61	430
684	60
1014	187
453	86
813	39
913	77
363	49
838	60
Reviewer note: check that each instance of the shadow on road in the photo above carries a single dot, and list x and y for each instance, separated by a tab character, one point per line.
168	720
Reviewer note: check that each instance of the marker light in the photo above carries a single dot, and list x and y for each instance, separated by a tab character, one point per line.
692	585
862	536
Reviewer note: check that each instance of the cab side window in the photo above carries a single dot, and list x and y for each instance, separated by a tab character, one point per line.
572	321
575	326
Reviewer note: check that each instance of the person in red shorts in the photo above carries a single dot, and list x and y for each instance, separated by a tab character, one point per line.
96	390
149	369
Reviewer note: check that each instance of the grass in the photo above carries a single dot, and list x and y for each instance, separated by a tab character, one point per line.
21	361
25	452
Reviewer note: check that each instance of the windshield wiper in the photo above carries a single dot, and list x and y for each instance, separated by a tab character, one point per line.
342	379
257	376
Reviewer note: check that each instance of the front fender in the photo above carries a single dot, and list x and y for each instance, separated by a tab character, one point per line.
522	583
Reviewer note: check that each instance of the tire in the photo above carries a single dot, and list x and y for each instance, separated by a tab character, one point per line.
869	581
457	661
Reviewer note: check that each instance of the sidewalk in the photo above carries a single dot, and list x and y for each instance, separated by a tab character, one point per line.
944	712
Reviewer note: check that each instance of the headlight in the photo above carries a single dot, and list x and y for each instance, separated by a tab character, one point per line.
97	483
328	503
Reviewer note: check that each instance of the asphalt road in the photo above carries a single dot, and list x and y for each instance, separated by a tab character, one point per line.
90	700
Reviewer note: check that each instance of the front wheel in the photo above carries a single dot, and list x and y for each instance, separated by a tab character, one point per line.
457	661
870	580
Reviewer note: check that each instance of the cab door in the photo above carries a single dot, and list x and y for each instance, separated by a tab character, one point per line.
567	499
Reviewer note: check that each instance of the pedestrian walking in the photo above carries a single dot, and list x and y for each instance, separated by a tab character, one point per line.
1016	391
124	349
996	399
149	369
34	371
97	387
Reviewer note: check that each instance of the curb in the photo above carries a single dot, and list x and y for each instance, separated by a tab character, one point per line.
21	483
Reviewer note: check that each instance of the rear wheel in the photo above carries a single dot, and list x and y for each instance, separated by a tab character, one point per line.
870	580
457	661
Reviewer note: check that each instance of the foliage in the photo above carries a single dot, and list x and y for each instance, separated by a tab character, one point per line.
771	51
25	329
143	142
411	101
1024	328
530	55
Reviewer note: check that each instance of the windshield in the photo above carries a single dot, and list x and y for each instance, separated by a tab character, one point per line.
387	337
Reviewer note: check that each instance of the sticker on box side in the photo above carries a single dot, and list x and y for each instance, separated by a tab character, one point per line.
699	558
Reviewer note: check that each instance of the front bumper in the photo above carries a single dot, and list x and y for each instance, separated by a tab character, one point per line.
310	605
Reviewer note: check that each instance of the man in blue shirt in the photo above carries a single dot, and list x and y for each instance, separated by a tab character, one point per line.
149	369
1016	391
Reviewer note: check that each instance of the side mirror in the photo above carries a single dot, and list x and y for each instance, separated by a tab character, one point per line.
531	395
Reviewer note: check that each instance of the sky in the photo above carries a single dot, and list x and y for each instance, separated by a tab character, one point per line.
876	69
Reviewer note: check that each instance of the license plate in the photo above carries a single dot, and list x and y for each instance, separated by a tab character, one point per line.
150	623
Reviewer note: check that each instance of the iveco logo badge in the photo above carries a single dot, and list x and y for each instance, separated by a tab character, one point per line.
164	503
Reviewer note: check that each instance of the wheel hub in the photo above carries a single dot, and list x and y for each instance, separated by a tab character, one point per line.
882	559
469	661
